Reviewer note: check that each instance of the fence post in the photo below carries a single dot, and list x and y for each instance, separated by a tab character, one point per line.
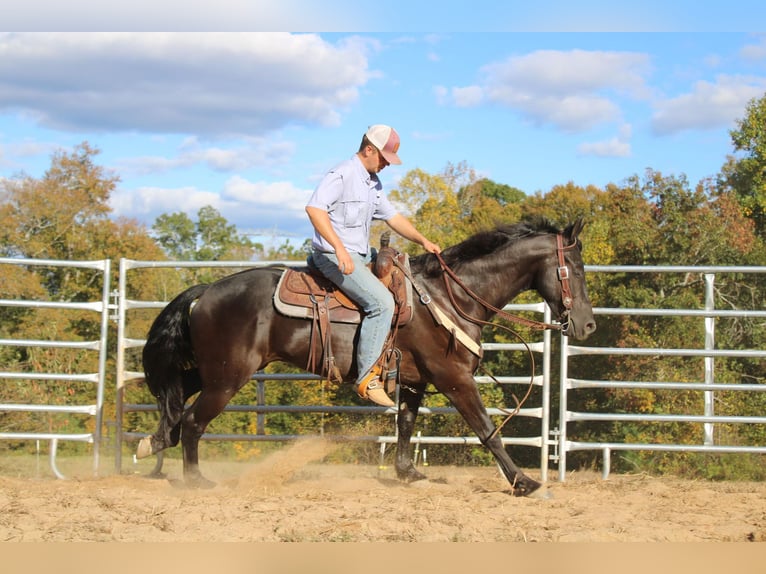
709	360
563	376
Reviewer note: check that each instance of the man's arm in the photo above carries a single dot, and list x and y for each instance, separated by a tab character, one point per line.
321	221
406	229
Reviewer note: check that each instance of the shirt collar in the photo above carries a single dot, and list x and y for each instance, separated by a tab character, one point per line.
367	177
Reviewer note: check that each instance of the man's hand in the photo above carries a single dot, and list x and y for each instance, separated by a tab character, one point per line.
431	247
345	263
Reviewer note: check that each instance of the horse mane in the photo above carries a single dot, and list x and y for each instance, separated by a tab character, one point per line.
484	243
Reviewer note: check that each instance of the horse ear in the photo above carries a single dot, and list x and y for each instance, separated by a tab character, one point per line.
575	228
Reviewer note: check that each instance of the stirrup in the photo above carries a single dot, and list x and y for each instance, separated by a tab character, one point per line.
371	388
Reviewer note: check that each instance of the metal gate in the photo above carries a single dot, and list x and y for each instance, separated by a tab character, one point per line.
90	404
706	350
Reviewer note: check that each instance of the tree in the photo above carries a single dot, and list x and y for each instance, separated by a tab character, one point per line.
484	204
421	196
746	175
660	220
211	238
62	216
455	204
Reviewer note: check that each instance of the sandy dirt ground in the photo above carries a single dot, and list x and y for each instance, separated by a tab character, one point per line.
290	497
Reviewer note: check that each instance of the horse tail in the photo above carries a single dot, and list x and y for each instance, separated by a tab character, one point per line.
170	370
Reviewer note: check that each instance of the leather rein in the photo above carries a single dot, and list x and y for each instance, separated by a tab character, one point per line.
567	300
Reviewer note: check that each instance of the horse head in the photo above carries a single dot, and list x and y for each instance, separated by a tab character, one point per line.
561	281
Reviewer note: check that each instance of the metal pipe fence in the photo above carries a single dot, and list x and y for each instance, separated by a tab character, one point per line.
706	351
90	404
573	376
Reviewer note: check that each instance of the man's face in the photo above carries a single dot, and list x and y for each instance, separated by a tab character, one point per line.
373	160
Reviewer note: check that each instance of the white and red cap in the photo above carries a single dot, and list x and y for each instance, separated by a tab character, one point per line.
386	140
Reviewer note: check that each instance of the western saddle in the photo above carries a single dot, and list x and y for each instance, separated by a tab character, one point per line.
303	292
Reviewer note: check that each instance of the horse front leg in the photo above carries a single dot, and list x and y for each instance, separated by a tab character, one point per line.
409	405
465	396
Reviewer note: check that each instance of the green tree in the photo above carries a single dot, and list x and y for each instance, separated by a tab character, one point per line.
210	238
745	174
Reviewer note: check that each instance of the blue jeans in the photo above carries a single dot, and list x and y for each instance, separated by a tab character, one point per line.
374	298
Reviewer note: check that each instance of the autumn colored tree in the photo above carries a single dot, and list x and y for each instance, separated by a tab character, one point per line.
62	216
451	206
661	220
431	202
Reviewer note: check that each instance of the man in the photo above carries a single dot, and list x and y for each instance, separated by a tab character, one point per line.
341	210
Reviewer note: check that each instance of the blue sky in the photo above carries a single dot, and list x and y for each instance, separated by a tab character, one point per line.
221	106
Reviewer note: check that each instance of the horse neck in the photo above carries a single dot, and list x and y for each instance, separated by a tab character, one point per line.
497	278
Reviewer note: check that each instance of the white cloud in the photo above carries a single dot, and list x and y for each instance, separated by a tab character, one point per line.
252	152
618	146
573	90
613	147
206	83
755	52
13	154
261	194
708	105
576	71
467	97
149	202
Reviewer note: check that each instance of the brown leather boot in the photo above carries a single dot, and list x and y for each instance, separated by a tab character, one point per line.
371	388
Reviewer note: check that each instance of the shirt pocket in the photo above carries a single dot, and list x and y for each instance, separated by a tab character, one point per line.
354	213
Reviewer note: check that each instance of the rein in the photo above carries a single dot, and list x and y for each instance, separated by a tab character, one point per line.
562	272
563	275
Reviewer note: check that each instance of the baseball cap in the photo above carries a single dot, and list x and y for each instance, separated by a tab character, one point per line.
386	140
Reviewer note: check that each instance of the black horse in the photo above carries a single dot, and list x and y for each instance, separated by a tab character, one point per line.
214	347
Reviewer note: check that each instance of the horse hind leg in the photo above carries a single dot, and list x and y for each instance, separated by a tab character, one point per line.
208	405
167	435
169	428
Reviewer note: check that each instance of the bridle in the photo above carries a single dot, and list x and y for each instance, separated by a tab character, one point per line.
562	272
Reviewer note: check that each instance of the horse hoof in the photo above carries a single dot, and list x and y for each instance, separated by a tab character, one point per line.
200	482
144	448
410	475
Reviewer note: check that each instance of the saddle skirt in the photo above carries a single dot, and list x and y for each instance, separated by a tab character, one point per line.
304	291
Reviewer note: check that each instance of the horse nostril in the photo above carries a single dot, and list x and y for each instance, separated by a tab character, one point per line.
590	327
